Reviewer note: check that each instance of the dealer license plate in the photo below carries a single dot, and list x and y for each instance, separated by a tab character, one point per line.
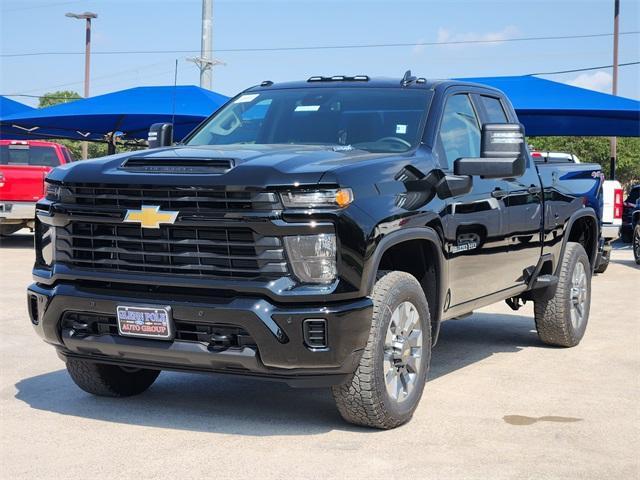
148	322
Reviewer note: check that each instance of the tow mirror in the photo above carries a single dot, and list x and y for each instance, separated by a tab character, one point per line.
160	135
503	153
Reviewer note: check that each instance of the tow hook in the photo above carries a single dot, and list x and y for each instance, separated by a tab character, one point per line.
220	342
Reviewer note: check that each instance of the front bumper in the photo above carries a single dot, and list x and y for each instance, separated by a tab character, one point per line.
280	352
17	212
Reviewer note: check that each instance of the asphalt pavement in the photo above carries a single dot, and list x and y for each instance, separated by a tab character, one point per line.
498	405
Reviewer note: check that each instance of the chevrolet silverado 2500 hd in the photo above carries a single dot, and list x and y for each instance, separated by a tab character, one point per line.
315	232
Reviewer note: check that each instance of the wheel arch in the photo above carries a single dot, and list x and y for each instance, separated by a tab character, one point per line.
582	227
422	247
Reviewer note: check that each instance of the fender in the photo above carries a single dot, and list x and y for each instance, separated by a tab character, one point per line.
400	236
585	212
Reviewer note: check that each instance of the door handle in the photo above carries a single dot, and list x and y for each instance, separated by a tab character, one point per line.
499	193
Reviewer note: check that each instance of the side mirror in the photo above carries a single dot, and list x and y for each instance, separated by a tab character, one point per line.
503	153
160	135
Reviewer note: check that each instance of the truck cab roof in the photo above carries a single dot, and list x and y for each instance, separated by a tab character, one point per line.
364	81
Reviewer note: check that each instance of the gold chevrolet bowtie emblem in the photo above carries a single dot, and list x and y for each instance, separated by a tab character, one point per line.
150	216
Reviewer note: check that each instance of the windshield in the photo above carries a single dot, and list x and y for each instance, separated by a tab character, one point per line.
377	120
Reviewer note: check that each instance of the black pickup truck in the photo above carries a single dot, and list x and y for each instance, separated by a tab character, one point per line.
315	232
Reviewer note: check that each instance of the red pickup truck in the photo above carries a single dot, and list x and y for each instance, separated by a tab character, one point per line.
23	166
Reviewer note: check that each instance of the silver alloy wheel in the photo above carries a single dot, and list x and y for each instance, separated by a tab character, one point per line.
402	351
636	243
578	297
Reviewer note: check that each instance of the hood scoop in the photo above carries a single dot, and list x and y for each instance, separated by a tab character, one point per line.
187	166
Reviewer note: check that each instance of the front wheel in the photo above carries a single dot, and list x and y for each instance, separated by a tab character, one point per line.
562	320
388	383
636	243
110	380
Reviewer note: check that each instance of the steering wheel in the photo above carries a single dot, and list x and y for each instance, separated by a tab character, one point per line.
395	139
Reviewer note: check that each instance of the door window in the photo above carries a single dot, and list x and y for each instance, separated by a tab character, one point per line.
495	112
459	131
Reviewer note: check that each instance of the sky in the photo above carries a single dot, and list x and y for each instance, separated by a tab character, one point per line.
33	26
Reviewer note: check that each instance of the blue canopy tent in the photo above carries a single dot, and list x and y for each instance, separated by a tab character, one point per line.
127	113
11	107
551	108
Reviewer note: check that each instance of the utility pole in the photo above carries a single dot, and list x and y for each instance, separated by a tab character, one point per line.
87	60
206	45
205	62
614	141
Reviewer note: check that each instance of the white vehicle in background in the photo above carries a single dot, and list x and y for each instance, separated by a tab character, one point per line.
555	157
611	219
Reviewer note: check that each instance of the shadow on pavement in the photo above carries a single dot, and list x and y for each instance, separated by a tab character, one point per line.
627	263
242	406
17	240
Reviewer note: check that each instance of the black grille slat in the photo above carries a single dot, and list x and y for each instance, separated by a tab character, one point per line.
188	199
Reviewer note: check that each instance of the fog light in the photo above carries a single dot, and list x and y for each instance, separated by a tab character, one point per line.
312	257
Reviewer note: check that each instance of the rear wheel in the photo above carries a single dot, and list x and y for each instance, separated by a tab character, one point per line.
110	380
562	320
387	386
636	243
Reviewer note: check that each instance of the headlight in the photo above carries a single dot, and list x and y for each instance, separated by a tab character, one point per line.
329	198
51	191
312	257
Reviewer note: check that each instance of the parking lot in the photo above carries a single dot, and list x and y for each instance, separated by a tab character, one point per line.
499	404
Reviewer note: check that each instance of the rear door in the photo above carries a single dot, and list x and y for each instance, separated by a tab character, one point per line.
474	222
523	202
24	168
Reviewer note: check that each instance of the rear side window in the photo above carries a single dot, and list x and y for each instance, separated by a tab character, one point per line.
495	112
459	131
28	155
67	155
634	194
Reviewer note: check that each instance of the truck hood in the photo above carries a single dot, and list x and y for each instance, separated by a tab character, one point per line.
256	166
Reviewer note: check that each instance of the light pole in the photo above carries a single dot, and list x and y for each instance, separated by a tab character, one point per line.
87	59
614	141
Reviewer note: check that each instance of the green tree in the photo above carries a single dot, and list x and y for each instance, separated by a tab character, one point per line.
54	98
596	150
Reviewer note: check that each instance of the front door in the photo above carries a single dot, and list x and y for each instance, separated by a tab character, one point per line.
473	223
523	204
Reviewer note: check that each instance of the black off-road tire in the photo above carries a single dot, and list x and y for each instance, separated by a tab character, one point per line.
110	380
6	230
604	262
553	316
364	399
636	244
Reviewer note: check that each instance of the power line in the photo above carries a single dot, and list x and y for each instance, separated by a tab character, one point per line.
585	69
324	47
557	72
